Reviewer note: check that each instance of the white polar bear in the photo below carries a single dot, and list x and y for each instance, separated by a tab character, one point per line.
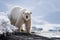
20	16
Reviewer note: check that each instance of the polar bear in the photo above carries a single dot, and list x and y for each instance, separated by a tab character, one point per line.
19	16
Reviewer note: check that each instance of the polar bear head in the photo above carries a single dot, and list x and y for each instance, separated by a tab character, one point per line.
27	15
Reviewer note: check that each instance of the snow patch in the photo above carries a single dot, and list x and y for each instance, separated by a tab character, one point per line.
5	25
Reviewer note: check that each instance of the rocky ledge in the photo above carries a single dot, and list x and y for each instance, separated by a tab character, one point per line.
24	36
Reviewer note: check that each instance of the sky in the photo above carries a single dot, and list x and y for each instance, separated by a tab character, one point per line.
44	12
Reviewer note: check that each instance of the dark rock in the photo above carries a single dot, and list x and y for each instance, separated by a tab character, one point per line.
23	36
54	38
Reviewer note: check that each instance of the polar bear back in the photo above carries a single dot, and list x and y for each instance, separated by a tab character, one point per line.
18	13
15	12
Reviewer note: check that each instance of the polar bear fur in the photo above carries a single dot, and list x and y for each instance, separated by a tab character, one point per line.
18	17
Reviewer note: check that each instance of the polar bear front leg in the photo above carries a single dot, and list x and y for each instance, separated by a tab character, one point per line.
19	24
28	26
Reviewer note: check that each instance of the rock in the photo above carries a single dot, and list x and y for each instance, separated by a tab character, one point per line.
23	36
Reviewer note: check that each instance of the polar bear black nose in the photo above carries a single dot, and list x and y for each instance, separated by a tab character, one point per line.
26	16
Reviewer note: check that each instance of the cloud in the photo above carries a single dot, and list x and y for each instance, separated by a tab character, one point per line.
3	7
49	9
53	17
39	22
3	13
44	7
25	3
41	7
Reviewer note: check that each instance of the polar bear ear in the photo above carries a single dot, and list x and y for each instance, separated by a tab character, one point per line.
30	12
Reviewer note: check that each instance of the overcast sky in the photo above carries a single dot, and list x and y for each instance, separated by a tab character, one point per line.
48	10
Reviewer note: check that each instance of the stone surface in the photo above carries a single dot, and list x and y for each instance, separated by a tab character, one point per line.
24	36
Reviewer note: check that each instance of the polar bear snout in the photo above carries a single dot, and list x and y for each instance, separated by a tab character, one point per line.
26	17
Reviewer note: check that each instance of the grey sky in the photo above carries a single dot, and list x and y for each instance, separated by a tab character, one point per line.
48	9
